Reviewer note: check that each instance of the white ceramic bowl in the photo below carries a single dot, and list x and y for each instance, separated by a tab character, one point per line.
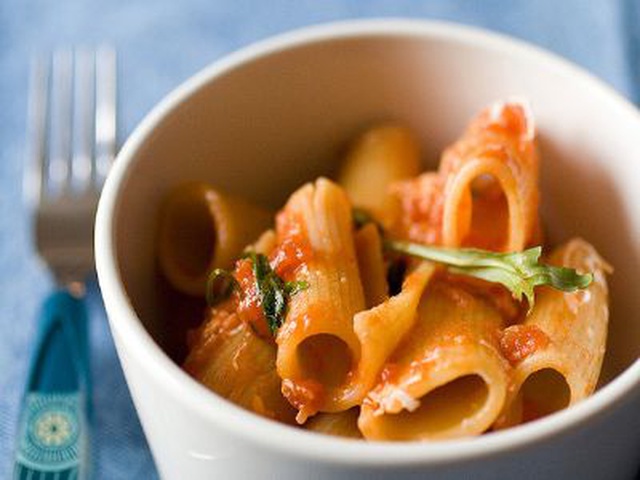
261	121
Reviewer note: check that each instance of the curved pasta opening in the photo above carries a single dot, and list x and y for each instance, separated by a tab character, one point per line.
489	224
444	408
325	358
483	208
341	424
441	411
544	392
188	237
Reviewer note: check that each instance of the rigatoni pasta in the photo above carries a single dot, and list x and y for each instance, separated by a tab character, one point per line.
491	191
317	345
371	265
447	379
383	155
381	328
201	229
395	304
340	424
485	193
557	351
230	359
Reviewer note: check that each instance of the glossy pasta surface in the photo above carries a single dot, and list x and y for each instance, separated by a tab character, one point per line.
315	321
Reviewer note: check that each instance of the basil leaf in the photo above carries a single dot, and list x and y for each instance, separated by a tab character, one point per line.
520	272
272	291
361	217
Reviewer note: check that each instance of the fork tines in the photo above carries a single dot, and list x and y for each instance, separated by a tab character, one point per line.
72	122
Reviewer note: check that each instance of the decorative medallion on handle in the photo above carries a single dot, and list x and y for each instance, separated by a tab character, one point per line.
52	437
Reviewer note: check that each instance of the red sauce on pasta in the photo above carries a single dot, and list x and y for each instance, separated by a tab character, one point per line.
422	205
494	294
249	304
306	396
512	119
293	250
520	341
218	326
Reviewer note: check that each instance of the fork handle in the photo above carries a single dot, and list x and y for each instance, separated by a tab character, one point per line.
53	428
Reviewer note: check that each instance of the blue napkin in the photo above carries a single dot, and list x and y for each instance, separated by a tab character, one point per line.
160	43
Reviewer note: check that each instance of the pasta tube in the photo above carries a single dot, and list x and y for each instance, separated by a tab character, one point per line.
491	191
229	358
202	229
265	243
485	193
557	352
371	265
317	346
340	424
381	156
447	379
380	329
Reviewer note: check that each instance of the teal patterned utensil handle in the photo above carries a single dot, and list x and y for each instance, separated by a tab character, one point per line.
53	440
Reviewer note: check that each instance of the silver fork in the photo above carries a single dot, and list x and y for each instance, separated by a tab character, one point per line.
65	185
71	144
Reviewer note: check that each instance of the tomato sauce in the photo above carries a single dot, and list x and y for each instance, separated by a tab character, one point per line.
249	305
519	341
498	296
422	205
306	396
293	250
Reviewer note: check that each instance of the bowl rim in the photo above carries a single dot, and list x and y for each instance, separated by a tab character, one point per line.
246	426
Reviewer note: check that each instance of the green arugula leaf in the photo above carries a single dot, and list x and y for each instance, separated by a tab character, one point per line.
520	272
361	217
272	291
